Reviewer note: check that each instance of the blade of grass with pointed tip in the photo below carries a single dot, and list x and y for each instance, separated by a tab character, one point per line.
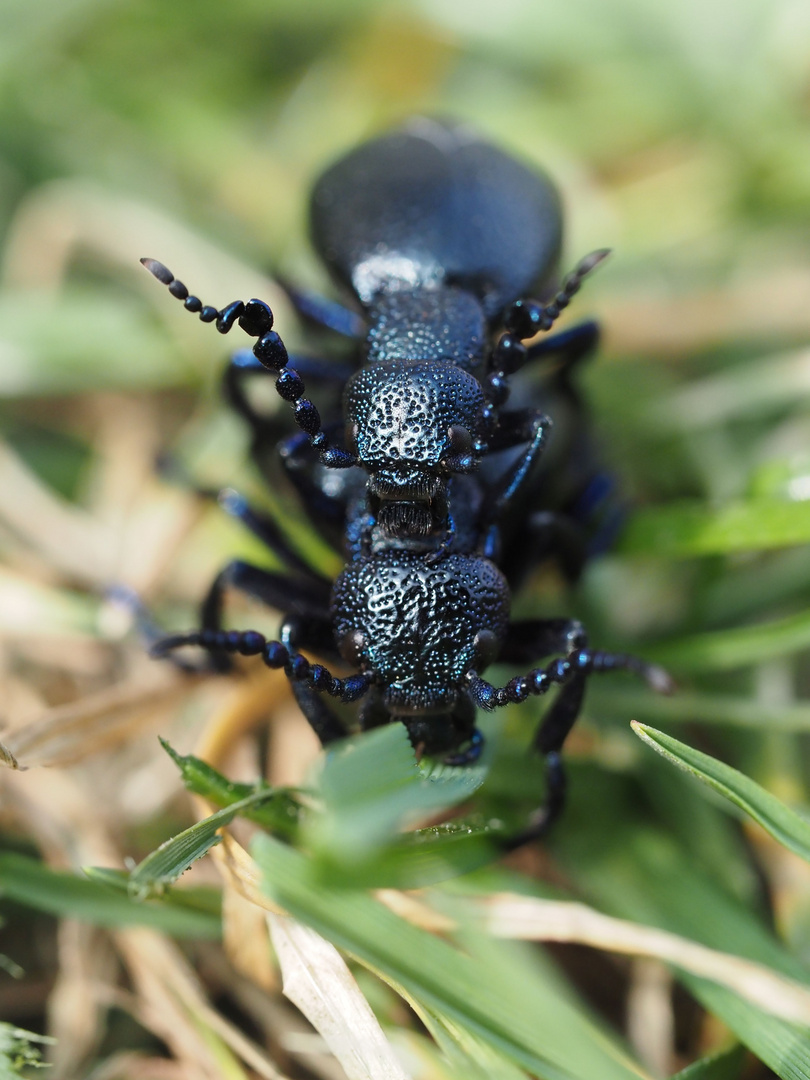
784	824
165	864
27	881
528	1020
642	875
278	813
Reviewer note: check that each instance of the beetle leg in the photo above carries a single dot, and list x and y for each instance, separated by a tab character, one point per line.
308	595
475	746
530	640
373	713
265	528
535	432
320	311
323	720
542	637
549	739
320	505
547	534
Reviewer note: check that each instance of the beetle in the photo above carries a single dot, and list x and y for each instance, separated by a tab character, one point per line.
419	633
438	235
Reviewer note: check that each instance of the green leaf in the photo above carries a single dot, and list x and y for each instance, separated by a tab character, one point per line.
784	824
725	649
279	812
725	1065
165	865
783	1047
684	707
26	881
420	858
638	873
70	350
19	1052
202	898
372	787
686	529
519	1008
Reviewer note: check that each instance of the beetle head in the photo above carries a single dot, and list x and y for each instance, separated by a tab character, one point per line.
420	628
412	424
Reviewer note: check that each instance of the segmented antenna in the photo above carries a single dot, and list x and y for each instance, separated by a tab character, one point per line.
256	319
524	319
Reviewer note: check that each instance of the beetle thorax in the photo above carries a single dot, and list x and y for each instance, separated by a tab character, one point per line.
408	421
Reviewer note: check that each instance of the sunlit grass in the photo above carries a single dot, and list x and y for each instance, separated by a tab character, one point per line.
678	136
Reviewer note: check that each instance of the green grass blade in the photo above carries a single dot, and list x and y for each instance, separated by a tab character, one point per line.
26	881
686	529
685	707
279	811
783	1047
726	1065
722	650
420	858
639	874
372	787
165	865
784	824
529	1019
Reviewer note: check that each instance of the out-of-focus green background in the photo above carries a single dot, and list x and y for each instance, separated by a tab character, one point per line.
679	135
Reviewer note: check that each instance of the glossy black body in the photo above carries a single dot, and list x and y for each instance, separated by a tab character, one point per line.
437	496
434	206
435	232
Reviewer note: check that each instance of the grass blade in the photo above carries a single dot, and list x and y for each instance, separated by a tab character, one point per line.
165	865
372	787
727	1065
722	650
526	1016
643	876
278	812
784	824
318	981
684	530
28	882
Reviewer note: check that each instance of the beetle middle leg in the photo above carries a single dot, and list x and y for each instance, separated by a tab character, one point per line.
301	596
328	314
546	534
548	740
569	347
537	638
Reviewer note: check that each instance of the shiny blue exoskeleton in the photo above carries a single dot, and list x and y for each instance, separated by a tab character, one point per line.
439	494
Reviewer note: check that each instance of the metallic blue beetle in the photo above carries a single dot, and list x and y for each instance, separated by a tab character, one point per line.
438	235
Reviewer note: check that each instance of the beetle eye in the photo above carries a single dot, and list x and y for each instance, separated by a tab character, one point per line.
351	438
352	647
459	441
486	648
